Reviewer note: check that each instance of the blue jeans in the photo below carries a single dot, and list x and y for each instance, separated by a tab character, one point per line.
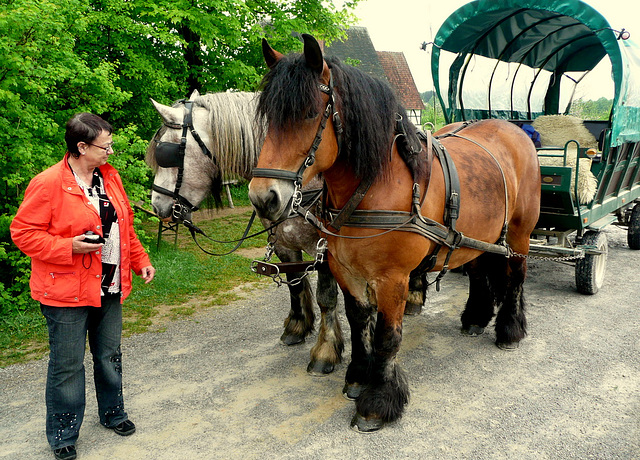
65	393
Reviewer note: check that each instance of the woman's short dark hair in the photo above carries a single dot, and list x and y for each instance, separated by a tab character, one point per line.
84	127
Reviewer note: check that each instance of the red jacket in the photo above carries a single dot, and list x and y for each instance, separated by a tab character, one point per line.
55	210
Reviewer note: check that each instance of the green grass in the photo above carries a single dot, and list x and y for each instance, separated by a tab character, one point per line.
184	273
186	280
23	335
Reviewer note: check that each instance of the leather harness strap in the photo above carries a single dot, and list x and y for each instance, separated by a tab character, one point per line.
410	222
451	183
343	215
443	235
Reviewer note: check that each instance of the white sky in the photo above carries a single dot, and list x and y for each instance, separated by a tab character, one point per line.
402	25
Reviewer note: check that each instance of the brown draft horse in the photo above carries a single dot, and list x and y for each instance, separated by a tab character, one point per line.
303	92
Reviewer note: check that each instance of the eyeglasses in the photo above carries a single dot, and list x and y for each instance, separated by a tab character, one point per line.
106	149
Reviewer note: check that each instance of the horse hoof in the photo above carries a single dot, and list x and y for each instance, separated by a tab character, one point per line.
511	346
412	309
352	391
291	339
362	425
472	331
320	368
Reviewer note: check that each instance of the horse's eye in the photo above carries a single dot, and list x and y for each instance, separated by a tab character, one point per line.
311	114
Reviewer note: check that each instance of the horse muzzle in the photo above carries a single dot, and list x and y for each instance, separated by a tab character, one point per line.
162	206
168	209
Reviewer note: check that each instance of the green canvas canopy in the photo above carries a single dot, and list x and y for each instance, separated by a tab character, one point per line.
519	59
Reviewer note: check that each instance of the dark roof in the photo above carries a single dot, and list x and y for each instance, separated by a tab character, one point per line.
397	70
386	65
357	47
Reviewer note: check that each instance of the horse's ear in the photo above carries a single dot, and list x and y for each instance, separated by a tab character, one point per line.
194	95
313	53
271	56
170	115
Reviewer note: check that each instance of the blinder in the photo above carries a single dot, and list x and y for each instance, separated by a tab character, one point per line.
171	155
168	155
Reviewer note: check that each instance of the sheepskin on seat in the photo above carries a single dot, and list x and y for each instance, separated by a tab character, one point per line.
556	131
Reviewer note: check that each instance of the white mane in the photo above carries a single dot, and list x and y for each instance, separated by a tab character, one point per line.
237	139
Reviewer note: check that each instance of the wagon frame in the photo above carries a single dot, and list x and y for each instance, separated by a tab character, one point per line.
520	59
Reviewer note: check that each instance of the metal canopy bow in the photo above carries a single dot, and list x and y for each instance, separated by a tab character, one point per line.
511	59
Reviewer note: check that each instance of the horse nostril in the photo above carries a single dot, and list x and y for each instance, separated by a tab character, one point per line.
272	202
156	209
266	204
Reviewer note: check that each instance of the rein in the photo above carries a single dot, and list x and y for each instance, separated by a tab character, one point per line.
194	229
311	197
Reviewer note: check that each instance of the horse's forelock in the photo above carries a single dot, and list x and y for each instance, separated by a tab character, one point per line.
289	92
367	106
150	154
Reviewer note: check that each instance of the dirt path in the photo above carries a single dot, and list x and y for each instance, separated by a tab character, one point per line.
219	385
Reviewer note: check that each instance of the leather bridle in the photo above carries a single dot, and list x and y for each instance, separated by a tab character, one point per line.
296	176
171	155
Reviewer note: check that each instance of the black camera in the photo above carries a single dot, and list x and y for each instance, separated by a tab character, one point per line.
91	237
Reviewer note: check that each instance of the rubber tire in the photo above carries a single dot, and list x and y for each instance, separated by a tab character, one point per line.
633	232
590	270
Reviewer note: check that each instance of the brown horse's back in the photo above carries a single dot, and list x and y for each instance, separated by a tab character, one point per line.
482	152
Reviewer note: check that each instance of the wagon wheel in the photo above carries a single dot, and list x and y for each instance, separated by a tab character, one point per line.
590	270
633	232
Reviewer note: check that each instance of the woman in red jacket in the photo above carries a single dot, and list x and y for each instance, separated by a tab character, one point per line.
76	224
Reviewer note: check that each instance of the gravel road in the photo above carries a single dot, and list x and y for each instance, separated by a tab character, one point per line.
219	385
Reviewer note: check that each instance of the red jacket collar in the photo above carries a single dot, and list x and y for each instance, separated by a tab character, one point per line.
68	181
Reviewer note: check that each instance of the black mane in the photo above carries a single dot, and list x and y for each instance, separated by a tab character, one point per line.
368	108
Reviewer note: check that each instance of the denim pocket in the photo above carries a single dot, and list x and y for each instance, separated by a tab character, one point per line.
62	286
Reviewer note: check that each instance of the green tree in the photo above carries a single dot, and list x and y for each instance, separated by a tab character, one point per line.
166	49
42	83
59	57
591	110
432	115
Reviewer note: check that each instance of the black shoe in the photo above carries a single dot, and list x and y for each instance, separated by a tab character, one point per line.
125	428
65	453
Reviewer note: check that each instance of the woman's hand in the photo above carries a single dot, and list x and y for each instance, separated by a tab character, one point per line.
147	274
79	246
